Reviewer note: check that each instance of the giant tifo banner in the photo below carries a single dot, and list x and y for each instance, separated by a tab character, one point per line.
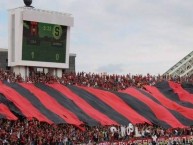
160	141
167	104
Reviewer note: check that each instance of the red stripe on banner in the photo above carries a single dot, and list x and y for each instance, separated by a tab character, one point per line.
50	103
23	104
4	110
161	112
187	112
183	94
117	104
81	103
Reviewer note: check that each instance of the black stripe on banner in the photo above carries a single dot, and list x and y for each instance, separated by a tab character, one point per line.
188	87
14	109
168	92
185	121
148	95
69	104
2	116
142	109
99	105
36	103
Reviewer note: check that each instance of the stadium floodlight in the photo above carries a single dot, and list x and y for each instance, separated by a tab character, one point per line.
27	2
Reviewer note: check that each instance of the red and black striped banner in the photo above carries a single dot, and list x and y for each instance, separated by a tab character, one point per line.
166	104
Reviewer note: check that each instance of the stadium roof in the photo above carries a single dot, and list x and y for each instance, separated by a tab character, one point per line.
3	49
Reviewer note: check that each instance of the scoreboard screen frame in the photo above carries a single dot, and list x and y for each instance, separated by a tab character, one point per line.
44	42
17	17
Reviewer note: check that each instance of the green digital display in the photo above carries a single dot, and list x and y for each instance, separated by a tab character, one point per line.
44	42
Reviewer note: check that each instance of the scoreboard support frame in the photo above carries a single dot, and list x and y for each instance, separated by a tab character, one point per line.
24	71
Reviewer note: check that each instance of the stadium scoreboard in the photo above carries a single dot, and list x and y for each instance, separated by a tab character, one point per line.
44	42
39	38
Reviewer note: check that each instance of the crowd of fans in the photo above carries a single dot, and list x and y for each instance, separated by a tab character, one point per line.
33	132
105	81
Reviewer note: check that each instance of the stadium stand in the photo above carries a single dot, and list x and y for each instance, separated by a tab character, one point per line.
183	68
88	108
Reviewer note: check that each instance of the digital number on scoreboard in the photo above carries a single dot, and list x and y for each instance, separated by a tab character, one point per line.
44	42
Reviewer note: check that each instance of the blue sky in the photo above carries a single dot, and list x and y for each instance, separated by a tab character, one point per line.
121	36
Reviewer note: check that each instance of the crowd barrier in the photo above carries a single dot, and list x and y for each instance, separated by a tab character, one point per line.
180	140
